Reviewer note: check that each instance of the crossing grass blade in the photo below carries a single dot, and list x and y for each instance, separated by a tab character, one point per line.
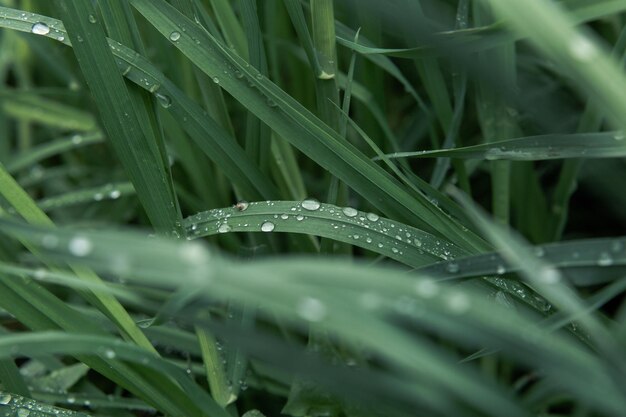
535	148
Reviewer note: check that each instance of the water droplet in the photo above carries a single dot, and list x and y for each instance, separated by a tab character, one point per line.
23	412
5	399
49	241
619	136
539	251
417	242
40	28
500	269
284	216
349	211
114	194
373	217
426	288
242	205
299	217
40	273
174	36
92	19
224	228
267	227
311	309
238	74
310	204
80	246
71	400
271	102
109	354
216	80
605	259
98	196
394	250
368	240
549	275
458	302
582	49
452	267
164	101
77	139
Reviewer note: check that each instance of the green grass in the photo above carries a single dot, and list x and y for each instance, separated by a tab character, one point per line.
312	208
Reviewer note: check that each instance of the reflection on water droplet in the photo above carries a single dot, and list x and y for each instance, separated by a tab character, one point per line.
92	19
80	246
310	204
23	412
40	28
174	36
242	205
311	309
373	217
349	211
224	228
267	227
114	194
164	101
109	354
5	399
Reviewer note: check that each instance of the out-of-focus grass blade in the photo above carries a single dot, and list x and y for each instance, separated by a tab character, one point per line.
48	149
231	28
293	122
535	148
32	108
137	150
111	191
552	30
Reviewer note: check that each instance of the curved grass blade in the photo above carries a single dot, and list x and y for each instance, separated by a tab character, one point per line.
398	241
535	148
13	405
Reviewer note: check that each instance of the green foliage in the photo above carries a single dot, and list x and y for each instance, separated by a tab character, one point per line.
361	208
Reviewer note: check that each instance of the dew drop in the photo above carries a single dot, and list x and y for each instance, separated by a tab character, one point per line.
582	49
224	228
500	269
109	354
164	101
216	80
417	242
267	227
452	267
98	196
311	309
549	275
5	399
284	216
310	204
458	302
23	412
174	36
242	205
605	259
80	246
49	241
40	28
619	136
299	217
349	211
373	217
426	288
238	74
92	19
71	400
115	194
